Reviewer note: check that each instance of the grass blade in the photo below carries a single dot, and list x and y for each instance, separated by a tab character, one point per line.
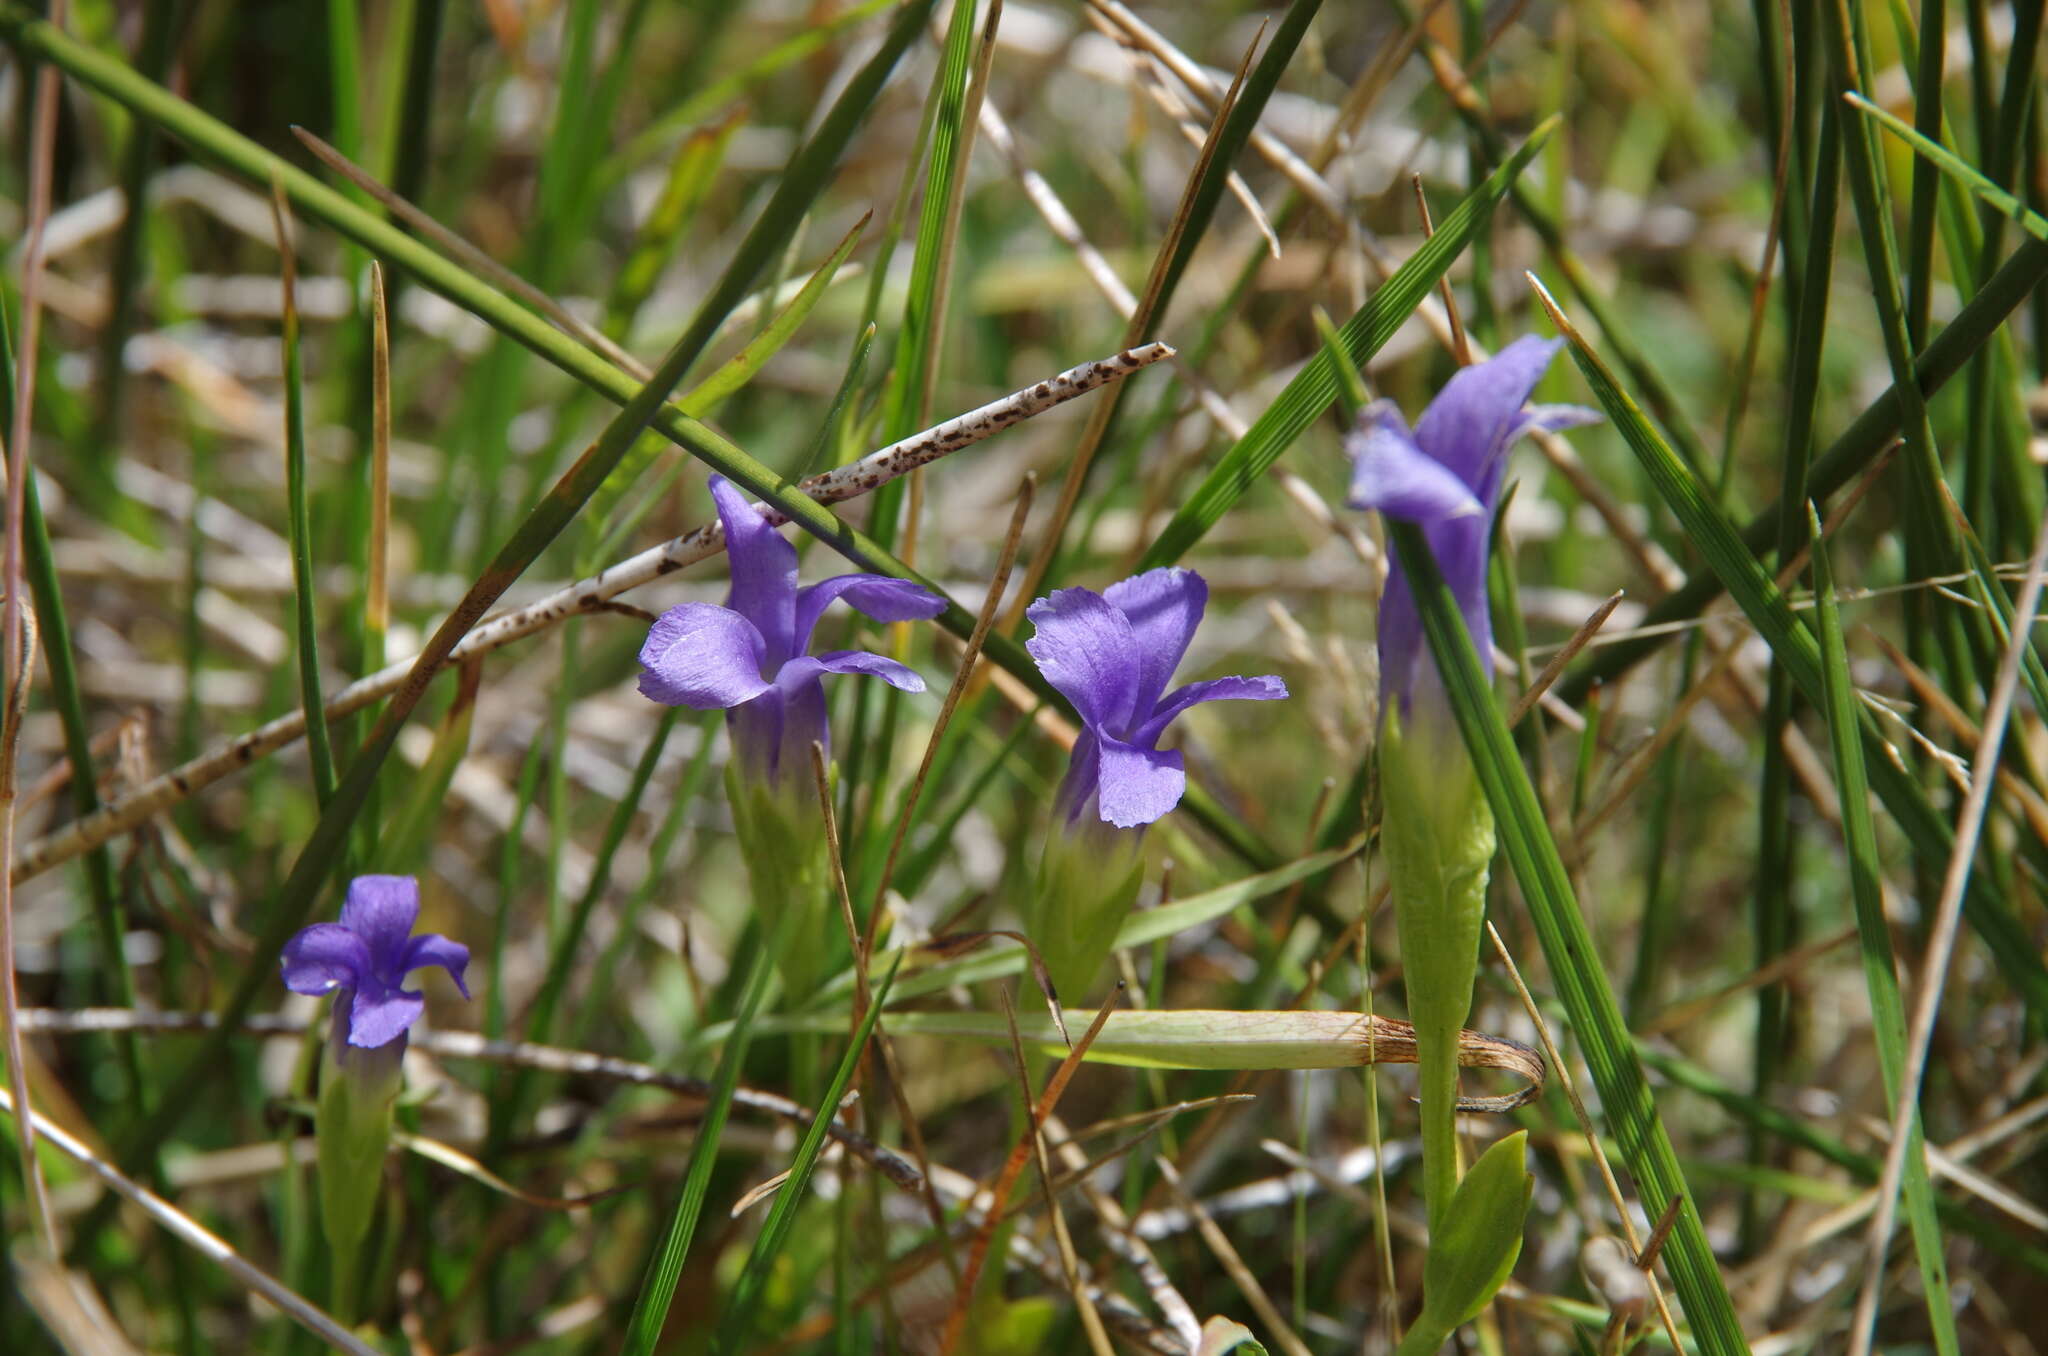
1793	644
643	1328
1887	1008
746	1295
1315	386
298	519
1570	949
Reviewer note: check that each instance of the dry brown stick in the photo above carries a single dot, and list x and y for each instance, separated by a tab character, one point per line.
584	596
377	609
1461	348
1566	652
1070	1262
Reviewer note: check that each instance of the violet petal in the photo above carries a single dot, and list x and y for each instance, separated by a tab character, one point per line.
704	657
1164	607
763	570
324	957
1136	786
1086	649
879	596
1265	689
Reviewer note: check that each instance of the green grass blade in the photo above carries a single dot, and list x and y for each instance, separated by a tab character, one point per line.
1141	929
408	841
690	177
1315	386
701	399
738	1322
125	272
1887	1008
919	341
650	1311
540	1023
1953	165
1793	644
67	694
1862	442
299	530
701	103
1569	948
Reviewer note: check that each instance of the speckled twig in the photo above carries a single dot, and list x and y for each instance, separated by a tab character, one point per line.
870	473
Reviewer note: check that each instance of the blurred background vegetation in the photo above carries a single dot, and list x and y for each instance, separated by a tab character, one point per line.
1701	209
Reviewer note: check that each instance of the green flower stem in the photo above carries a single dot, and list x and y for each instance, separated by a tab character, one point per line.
1437	834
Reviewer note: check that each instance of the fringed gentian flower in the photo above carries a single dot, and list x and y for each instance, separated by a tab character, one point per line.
1112	654
1446	478
363	961
751	659
1436	828
365	958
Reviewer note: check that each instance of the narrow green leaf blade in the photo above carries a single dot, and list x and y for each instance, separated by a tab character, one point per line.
746	1295
1315	386
1887	1006
1569	948
1957	168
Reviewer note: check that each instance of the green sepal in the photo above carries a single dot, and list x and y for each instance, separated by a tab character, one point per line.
1088	878
1436	831
352	1135
781	832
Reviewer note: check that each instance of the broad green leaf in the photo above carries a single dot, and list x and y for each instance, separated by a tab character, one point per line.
1472	1256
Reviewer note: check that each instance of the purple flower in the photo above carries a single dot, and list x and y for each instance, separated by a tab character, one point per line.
1111	654
366	956
748	657
1446	477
